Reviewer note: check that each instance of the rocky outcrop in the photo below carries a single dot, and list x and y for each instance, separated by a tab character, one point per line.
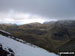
5	53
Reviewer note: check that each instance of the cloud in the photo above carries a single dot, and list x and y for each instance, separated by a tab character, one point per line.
20	18
52	9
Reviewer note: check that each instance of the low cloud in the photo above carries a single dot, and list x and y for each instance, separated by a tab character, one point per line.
20	18
47	9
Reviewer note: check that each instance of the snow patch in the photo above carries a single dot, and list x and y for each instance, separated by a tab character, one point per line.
21	49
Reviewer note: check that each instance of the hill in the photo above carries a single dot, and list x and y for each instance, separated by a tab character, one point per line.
11	47
50	36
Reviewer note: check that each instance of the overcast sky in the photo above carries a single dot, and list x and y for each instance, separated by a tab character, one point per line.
37	10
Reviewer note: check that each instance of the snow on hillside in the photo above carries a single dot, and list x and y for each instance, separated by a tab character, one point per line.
5	32
21	49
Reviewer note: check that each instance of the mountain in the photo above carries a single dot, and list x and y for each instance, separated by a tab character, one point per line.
62	34
11	47
49	22
63	30
51	36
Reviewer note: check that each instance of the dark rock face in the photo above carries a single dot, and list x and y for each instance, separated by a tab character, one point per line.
63	30
5	53
61	35
34	31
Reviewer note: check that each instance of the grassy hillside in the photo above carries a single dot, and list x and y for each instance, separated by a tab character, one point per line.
49	36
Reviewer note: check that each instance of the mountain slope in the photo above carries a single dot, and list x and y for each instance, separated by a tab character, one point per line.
49	36
69	46
21	49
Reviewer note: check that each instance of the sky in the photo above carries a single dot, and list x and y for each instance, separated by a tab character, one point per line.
28	11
